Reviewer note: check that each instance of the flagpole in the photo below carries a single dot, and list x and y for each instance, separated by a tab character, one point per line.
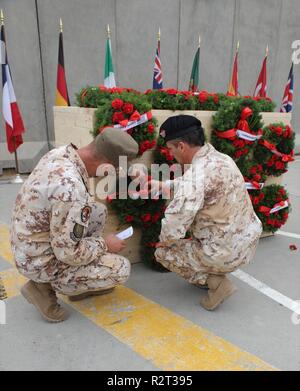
18	178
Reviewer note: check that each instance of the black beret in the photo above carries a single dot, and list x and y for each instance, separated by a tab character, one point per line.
178	126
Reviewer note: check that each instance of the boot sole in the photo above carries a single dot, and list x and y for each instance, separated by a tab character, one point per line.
30	300
230	292
83	296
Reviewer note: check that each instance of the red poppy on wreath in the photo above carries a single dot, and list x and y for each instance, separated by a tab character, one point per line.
156	217
129	218
146	217
117	104
203	96
145	145
216	98
171	91
151	128
117	117
128	108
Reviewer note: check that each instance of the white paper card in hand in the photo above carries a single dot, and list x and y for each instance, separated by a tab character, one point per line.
125	234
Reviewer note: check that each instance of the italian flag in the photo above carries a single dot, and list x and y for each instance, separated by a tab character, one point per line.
109	76
194	80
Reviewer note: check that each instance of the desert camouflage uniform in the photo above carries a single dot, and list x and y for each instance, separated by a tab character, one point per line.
219	215
56	228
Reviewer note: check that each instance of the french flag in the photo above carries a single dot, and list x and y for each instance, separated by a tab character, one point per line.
11	113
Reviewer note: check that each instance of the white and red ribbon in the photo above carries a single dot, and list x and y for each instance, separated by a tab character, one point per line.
251	186
280	206
132	124
248	136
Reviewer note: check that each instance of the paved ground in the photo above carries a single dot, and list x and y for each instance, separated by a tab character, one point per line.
155	322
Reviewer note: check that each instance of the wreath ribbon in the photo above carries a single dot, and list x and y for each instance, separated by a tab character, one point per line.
273	149
280	205
242	130
135	119
253	185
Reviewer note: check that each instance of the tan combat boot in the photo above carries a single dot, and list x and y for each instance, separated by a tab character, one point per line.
220	288
81	296
43	297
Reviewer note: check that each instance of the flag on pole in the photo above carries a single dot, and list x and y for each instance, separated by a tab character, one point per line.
62	96
233	87
261	85
287	100
157	73
194	80
11	113
109	76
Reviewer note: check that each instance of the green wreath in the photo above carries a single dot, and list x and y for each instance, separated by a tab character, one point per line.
265	200
276	138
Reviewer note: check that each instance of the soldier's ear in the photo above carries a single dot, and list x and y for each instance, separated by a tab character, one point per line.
181	146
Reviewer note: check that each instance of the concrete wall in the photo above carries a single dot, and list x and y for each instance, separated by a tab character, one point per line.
32	39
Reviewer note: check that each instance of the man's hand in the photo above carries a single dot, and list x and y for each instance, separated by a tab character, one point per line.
158	187
114	244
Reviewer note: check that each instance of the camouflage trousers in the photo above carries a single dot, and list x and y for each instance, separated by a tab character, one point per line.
183	258
109	271
106	272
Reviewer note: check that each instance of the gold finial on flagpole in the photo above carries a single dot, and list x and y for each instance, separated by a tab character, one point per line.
199	41
1	17
60	25
159	34
237	46
108	31
267	50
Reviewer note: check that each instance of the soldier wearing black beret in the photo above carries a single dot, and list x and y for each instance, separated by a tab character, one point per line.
216	211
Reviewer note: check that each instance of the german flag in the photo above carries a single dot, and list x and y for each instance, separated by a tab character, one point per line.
62	96
233	88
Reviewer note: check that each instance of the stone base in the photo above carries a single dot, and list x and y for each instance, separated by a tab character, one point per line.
29	155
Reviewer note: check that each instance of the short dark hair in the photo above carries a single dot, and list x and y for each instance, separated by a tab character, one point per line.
194	138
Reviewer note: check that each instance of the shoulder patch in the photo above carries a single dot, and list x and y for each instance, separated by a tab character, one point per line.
85	214
77	232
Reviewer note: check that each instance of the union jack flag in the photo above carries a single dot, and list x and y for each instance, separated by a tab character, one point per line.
157	74
287	100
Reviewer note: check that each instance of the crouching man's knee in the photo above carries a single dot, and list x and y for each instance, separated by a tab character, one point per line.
120	266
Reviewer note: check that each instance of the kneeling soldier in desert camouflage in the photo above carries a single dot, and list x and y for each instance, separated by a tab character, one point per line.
215	208
57	226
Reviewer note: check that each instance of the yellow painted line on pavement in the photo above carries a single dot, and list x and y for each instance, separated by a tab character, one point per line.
12	281
168	340
5	249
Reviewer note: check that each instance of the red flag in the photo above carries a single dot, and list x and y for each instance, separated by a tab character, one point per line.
233	84
11	113
261	85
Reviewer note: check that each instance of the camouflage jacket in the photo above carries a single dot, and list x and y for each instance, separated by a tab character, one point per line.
211	201
51	216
